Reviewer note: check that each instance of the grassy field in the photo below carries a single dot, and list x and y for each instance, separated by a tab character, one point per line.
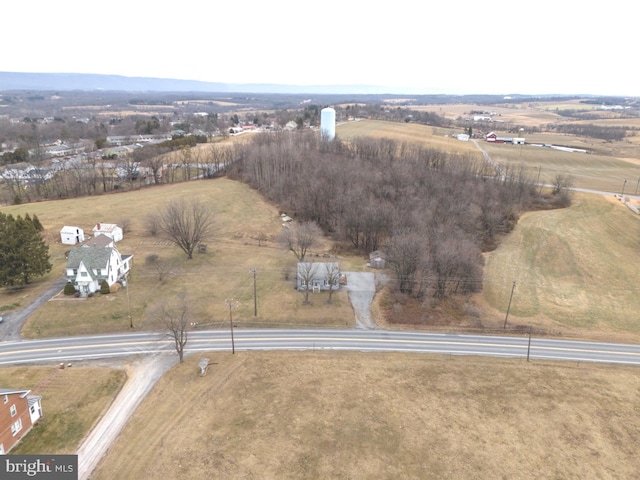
73	399
223	272
575	269
382	416
432	137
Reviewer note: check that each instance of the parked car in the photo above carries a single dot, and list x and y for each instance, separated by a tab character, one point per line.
1	319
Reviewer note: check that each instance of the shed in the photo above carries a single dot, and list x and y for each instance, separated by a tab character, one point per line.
111	230
71	235
377	259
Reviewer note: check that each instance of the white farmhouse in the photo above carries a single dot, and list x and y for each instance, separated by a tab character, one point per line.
111	230
87	267
71	235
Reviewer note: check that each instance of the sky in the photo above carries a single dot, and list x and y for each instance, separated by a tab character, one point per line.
462	47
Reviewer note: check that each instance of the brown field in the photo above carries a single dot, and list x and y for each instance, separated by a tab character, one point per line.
575	270
73	399
406	132
223	272
382	416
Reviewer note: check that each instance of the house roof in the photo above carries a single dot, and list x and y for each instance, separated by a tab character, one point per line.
7	391
99	240
92	257
70	229
320	269
105	227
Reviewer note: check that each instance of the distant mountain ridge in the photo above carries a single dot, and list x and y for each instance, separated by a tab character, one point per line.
92	82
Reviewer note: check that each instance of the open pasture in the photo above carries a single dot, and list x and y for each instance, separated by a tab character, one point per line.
320	415
430	137
575	271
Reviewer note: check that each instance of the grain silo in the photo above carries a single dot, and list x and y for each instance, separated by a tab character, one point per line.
328	124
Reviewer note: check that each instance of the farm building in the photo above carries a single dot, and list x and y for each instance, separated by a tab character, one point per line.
110	230
71	235
494	138
19	411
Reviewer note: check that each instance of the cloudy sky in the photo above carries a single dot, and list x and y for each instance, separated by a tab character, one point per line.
498	47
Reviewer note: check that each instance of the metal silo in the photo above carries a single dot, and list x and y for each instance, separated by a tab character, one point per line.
328	124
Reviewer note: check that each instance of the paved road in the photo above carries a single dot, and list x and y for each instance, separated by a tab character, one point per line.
111	346
10	328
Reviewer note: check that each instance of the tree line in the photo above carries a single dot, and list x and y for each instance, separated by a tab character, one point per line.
433	212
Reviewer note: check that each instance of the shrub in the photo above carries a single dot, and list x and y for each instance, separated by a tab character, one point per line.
69	289
104	287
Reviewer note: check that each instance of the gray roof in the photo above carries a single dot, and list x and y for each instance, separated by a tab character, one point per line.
99	240
5	391
92	257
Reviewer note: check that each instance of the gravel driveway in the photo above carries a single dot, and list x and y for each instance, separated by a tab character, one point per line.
143	375
362	288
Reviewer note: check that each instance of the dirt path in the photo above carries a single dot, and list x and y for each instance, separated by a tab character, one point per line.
143	374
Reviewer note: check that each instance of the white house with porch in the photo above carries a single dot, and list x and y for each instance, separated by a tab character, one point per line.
88	266
318	276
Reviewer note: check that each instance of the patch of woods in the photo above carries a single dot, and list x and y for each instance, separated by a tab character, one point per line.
432	212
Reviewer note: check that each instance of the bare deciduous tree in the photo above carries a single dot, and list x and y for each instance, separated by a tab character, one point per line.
185	223
332	272
306	272
159	265
404	254
176	319
300	237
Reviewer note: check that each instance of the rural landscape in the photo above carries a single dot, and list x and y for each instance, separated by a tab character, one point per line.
472	215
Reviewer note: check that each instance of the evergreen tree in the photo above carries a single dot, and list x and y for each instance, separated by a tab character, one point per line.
23	252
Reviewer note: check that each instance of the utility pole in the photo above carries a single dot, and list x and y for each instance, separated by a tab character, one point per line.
623	185
637	185
509	307
255	293
126	278
231	303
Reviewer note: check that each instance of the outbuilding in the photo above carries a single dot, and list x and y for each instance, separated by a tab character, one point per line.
71	235
111	230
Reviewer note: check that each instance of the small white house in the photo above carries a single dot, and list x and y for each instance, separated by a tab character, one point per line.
318	276
71	235
111	230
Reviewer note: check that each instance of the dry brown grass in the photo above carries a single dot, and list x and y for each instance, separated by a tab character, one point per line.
73	399
406	132
350	415
575	270
224	272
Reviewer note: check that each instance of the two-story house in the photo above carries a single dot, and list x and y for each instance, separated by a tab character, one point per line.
19	411
88	266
